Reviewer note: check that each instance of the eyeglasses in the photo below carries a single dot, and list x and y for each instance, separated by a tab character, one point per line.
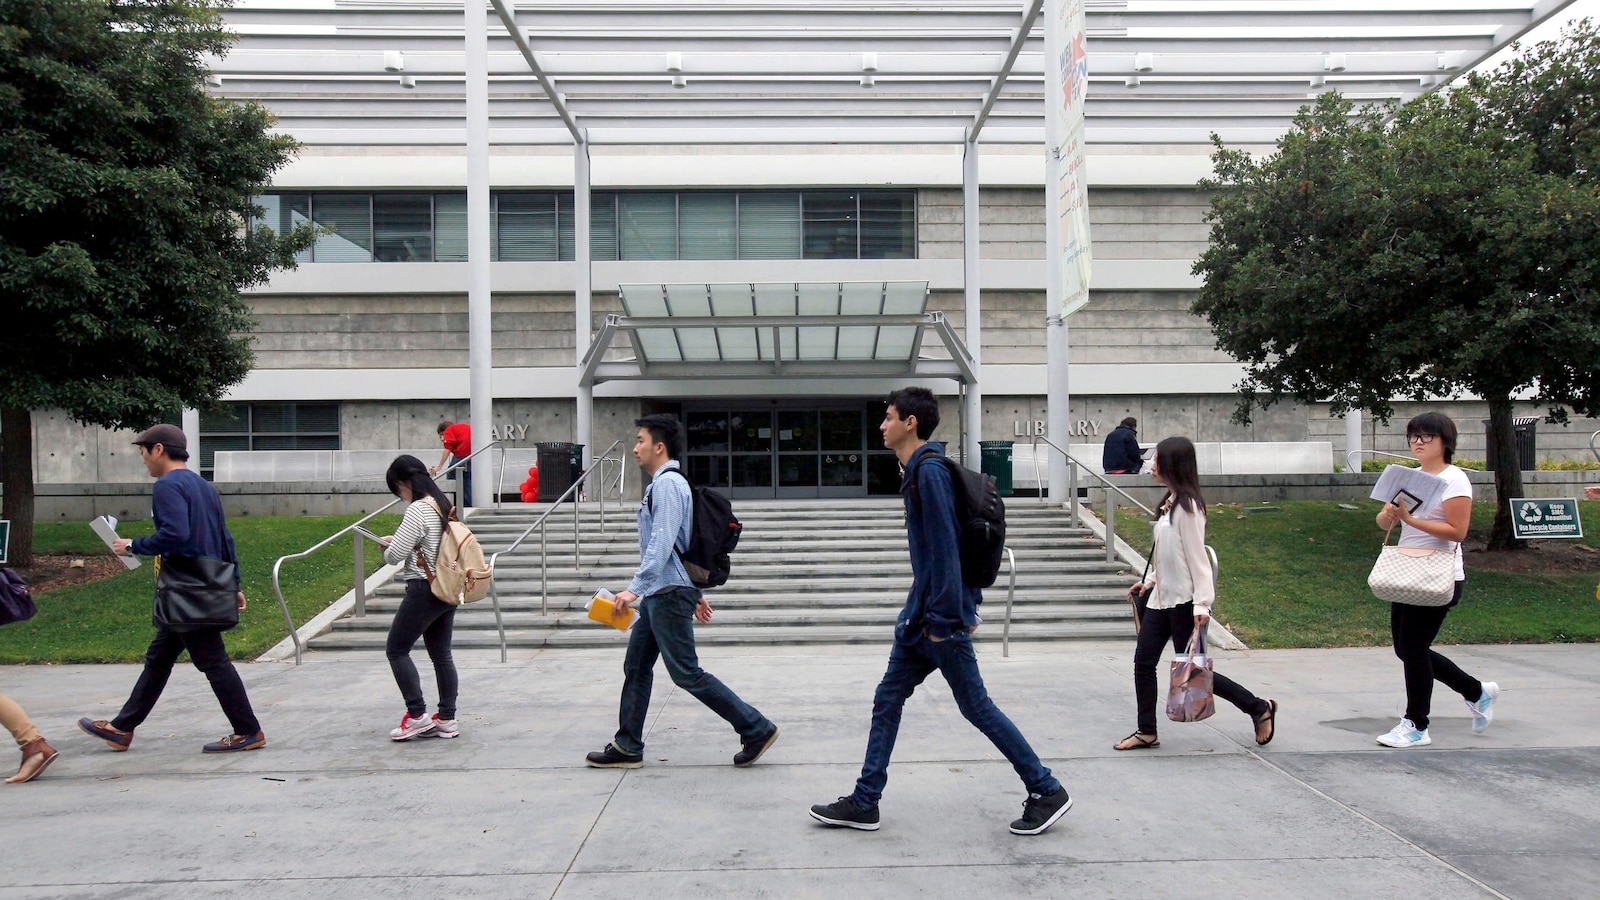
1420	438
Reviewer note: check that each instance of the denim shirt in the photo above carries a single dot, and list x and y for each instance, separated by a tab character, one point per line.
938	600
665	518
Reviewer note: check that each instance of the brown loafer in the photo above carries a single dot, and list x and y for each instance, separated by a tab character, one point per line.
37	755
234	743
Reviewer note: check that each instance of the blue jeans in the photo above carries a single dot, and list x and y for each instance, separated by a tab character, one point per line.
666	629
909	664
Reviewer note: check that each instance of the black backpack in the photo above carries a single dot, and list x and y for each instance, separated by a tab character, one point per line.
980	523
713	533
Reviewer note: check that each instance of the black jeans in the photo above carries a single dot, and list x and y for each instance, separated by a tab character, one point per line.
209	656
1177	623
423	615
1413	629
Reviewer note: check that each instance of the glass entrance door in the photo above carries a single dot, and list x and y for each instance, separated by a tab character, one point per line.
790	453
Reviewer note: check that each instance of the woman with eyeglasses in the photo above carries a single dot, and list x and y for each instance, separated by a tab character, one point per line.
1181	585
1439	525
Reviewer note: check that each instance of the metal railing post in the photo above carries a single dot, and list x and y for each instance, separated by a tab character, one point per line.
577	543
361	574
1111	528
1072	492
1011	596
544	574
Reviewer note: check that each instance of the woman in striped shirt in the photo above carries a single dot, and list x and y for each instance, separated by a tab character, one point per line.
416	544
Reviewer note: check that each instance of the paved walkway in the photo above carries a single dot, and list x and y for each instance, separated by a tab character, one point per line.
331	808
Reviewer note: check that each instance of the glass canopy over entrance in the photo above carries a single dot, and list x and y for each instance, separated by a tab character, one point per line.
790	330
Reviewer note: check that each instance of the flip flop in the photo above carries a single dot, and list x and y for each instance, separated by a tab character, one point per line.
1139	743
1267	717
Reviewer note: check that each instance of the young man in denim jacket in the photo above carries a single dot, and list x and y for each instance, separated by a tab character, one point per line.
934	632
670	606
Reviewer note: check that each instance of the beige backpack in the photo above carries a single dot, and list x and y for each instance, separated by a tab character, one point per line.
462	573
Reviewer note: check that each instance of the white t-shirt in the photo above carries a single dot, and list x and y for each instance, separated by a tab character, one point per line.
1456	485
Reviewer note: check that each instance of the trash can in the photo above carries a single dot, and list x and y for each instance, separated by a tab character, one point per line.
996	462
1523	432
560	464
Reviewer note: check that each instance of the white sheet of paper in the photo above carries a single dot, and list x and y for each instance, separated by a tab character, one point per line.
106	528
1419	484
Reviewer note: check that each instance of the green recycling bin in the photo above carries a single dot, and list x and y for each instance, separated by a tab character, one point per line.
996	462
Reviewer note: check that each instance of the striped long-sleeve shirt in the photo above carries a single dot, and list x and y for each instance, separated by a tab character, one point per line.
665	519
419	527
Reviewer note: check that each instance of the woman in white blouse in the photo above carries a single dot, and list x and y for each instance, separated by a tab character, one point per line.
1441	525
1182	588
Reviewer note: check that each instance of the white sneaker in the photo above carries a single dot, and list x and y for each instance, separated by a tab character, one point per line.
443	728
1405	736
1483	707
410	728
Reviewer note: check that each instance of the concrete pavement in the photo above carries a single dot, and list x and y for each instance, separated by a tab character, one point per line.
332	808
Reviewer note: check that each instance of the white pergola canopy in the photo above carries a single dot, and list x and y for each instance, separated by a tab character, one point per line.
375	72
823	330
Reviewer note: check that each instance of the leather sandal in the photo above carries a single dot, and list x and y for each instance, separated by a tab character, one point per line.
37	756
1266	719
1137	741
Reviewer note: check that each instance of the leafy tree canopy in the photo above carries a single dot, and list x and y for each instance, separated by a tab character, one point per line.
1448	245
124	193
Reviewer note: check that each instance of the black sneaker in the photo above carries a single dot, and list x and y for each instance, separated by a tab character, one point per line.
846	813
1040	812
753	749
613	758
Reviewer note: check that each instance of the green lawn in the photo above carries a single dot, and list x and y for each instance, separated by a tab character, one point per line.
109	621
1298	578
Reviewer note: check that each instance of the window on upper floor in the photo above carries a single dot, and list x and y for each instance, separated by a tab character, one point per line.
537	226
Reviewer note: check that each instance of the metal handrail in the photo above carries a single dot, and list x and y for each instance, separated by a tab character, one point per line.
1086	470
1591	445
1011	595
544	558
359	561
1351	466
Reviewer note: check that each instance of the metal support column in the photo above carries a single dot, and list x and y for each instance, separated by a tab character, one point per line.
480	340
583	294
191	431
970	249
1056	392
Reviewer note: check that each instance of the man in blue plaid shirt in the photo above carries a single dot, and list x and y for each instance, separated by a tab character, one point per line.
667	613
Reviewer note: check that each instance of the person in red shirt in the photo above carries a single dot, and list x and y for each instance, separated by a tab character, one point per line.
457	440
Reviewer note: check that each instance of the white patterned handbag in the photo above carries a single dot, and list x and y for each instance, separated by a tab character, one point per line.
1419	576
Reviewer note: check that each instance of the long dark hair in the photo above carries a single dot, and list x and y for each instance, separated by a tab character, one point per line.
407	469
1177	466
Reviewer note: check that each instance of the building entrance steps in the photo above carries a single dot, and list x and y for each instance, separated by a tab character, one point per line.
806	572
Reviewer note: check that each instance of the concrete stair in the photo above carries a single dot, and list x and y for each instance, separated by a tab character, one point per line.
806	572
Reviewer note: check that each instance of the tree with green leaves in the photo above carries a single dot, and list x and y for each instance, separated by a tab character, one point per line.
125	197
1448	246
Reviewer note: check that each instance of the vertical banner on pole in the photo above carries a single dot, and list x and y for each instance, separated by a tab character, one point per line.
1071	184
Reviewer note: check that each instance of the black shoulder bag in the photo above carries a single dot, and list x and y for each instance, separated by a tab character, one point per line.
195	593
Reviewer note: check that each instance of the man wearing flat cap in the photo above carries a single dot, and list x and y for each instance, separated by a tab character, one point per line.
189	523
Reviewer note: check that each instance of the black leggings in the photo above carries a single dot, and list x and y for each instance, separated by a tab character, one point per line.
1413	629
423	615
1178	624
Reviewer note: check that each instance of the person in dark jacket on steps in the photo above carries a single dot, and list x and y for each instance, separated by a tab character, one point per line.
1122	455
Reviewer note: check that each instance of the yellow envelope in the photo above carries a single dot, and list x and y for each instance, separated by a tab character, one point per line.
602	609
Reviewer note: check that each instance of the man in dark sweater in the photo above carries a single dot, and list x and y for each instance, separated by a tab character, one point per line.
1122	455
189	522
